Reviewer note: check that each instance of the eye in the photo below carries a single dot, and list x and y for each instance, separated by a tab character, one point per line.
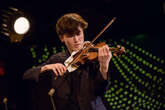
79	33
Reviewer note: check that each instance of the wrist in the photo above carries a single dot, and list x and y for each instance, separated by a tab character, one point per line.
42	69
103	73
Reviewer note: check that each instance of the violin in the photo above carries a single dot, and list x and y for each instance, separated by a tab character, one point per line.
89	52
89	55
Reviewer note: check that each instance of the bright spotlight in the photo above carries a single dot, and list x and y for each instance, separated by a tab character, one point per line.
21	25
15	24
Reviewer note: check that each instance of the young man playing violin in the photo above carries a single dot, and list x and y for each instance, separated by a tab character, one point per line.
79	89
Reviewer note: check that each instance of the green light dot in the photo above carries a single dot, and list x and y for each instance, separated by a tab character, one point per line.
114	107
62	48
131	45
146	96
134	65
121	95
162	61
120	101
116	86
115	103
159	88
140	59
31	49
150	76
143	51
136	78
129	102
137	57
144	62
108	100
112	89
136	47
116	98
142	95
45	49
116	81
127	79
54	50
154	78
121	84
113	94
143	72
139	80
126	92
130	95
106	96
158	59
157	102
135	98
139	100
127	108
148	107
118	106
131	88
34	56
146	84
112	99
140	69
153	100
131	53
140	49
47	53
109	96
121	89
155	68
39	61
147	74
142	82
123	105
125	99
147	53
150	65
126	86
154	57
135	90
150	55
110	103
117	92
133	105
124	40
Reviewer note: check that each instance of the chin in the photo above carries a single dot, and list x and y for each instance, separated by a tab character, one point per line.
76	49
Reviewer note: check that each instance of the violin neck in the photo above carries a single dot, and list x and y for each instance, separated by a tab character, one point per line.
96	49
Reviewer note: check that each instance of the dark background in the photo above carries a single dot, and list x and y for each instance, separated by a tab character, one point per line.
133	17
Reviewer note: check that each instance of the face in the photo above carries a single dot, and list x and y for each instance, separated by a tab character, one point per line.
75	42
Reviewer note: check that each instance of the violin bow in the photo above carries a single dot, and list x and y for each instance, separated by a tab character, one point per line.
98	35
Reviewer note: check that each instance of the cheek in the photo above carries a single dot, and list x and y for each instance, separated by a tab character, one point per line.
69	42
81	38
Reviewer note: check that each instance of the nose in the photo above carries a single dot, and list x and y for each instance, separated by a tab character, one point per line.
75	38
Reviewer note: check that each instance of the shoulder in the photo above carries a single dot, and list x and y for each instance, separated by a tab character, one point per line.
58	57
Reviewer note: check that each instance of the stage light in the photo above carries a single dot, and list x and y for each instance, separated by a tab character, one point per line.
15	24
21	25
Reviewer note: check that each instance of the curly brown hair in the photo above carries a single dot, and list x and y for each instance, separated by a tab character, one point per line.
69	23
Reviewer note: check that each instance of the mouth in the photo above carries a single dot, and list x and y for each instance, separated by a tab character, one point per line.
77	45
